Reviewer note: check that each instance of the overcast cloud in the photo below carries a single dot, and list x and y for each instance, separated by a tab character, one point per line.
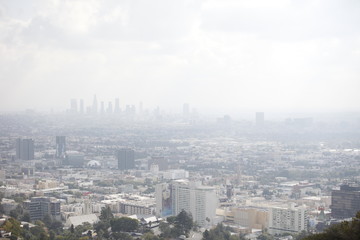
266	55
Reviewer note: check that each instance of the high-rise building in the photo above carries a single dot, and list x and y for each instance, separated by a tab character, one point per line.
24	149
82	110
126	159
259	119
95	105
110	108
345	203
117	106
200	201
60	147
292	219
39	207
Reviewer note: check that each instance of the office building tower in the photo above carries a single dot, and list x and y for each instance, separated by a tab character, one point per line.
291	219
39	207
18	148
60	147
82	110
95	105
73	106
259	119
345	202
200	201
110	108
126	159
24	149
117	106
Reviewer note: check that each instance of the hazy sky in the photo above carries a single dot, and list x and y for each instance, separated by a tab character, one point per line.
241	55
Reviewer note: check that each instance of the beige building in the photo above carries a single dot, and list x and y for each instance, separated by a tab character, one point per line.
46	184
250	217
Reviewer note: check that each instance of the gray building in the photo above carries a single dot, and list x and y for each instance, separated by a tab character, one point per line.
24	149
60	146
39	207
345	203
126	159
75	159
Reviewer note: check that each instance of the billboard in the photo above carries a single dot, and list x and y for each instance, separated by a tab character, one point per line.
166	200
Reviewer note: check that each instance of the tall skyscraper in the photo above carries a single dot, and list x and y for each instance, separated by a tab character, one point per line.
95	105
82	110
200	201
117	106
24	149
259	119
60	147
345	203
110	108
126	159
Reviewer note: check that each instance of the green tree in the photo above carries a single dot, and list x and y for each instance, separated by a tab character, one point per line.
25	217
72	228
106	214
346	230
82	228
39	233
102	226
56	226
265	236
150	236
206	235
177	225
124	224
218	233
13	214
121	236
13	226
184	222
165	229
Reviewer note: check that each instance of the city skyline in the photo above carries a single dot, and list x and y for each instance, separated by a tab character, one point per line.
255	56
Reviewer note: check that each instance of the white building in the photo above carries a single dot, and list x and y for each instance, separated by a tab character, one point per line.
200	201
175	174
130	204
291	219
